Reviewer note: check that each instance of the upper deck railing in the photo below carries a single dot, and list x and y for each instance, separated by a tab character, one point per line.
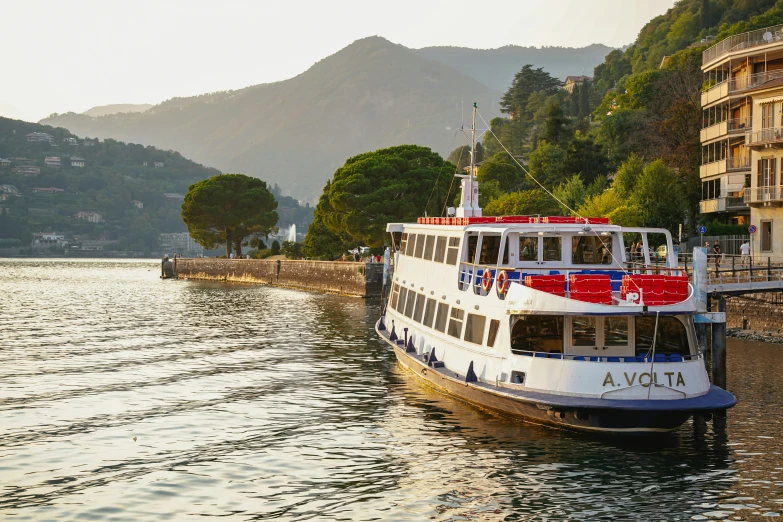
742	41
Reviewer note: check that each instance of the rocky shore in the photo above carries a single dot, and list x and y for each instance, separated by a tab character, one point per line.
754	335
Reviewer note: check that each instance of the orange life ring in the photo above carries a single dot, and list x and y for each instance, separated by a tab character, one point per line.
502	282
486	280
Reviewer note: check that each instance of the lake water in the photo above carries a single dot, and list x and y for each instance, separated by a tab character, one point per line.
125	397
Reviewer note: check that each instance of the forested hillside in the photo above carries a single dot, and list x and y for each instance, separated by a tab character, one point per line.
114	175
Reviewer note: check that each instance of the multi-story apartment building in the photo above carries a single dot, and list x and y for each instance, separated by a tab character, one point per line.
742	134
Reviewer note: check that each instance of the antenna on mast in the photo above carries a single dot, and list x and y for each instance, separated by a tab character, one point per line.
468	205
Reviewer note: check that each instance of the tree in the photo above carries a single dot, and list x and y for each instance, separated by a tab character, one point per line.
626	175
585	156
397	184
275	248
501	169
460	157
547	164
584	99
556	125
573	192
659	196
226	209
526	81
573	102
524	203
291	249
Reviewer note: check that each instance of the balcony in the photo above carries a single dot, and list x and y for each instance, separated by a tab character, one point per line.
730	203
736	125
730	164
715	93
751	81
771	195
739	42
772	136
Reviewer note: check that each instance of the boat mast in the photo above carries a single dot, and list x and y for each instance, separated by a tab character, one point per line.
468	205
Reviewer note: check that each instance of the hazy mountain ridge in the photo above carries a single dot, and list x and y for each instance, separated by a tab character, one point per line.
296	132
104	110
497	67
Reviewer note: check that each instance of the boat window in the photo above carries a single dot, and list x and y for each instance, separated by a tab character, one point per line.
451	257
615	331
420	245
440	318
409	303
505	251
419	308
401	302
395	294
440	249
455	322
490	250
537	333
411	245
472	243
428	246
494	326
403	243
528	248
591	250
429	312
672	335
553	250
583	331
396	239
474	328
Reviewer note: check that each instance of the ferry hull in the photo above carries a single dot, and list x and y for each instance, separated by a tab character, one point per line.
590	419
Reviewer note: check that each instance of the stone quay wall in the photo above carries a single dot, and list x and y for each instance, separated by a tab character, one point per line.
354	279
759	312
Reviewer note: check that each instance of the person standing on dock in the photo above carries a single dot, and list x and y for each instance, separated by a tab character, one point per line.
716	254
745	252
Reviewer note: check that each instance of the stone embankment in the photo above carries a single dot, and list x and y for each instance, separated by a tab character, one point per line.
755	317
354	279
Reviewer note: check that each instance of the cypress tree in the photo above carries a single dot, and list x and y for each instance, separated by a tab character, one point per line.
584	99
573	108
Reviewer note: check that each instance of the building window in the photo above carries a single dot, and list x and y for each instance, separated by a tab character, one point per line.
766	115
710	189
766	236
766	172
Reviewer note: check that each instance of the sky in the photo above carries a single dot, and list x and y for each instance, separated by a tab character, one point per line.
71	56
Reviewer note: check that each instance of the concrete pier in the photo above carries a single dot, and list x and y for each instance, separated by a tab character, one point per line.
334	277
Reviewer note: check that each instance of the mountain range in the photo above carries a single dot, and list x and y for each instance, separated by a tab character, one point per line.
104	110
369	95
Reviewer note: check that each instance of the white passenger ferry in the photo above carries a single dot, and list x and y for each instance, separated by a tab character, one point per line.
548	318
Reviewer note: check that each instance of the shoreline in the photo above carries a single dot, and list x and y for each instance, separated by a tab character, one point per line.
754	335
